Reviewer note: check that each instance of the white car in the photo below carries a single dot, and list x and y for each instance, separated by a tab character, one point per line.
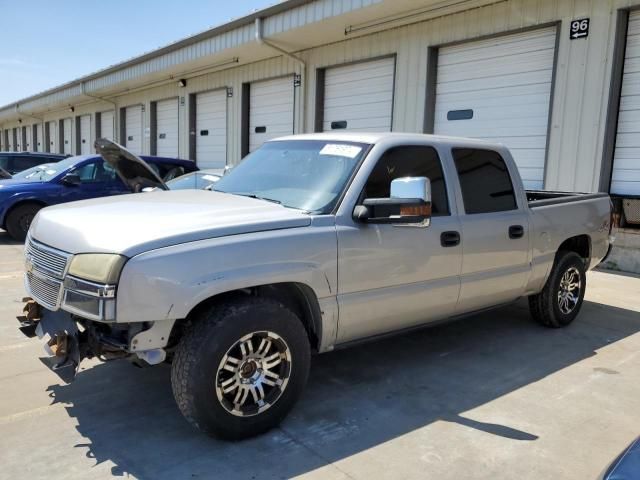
200	180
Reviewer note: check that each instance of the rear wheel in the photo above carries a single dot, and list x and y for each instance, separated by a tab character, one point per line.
241	368
19	220
561	298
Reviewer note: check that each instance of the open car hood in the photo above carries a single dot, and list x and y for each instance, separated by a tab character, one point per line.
134	172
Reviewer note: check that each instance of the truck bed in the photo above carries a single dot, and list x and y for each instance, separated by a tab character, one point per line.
543	198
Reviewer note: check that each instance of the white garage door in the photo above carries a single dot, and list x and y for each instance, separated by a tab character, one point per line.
107	124
167	134
28	139
359	96
211	129
133	129
625	179
500	90
53	137
85	134
270	110
39	147
18	139
67	136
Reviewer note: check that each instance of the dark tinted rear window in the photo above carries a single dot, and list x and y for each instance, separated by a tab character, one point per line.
485	181
22	162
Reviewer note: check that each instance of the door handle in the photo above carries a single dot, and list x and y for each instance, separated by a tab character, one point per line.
516	231
450	239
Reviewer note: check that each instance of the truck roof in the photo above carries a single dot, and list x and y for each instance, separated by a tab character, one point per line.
377	137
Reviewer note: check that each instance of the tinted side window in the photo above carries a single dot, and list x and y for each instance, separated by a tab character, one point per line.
106	173
409	161
87	173
485	181
96	172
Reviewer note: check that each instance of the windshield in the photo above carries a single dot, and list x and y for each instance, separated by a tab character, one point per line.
308	175
51	170
29	172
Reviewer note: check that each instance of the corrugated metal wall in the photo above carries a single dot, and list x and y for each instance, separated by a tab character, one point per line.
581	79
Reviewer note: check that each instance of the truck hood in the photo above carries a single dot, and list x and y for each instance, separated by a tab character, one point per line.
133	224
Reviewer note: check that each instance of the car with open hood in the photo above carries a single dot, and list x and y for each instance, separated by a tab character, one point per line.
78	178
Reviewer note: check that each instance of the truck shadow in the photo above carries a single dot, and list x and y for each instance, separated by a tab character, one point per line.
356	398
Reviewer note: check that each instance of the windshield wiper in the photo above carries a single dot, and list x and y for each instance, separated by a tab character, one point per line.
257	197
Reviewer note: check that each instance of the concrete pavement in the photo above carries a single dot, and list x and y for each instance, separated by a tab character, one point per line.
493	396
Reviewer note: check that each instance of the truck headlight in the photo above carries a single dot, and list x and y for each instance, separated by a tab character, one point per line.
90	285
103	268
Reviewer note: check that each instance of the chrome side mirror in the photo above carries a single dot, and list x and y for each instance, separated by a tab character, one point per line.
412	187
408	205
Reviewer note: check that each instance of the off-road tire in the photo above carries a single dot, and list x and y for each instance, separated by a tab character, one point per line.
19	220
544	306
198	356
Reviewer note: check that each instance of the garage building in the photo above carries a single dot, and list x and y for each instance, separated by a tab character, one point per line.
557	82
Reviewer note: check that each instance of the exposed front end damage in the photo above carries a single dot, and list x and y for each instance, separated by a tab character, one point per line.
69	339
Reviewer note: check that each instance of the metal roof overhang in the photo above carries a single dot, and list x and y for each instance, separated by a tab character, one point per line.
233	44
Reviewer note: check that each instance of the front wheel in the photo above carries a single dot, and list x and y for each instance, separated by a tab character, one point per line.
19	220
241	368
561	298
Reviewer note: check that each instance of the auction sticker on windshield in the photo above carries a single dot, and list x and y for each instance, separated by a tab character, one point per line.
339	150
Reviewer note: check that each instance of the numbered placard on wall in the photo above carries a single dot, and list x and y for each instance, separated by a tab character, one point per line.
579	29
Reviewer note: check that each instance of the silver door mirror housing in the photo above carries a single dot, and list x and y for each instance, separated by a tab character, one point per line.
411	187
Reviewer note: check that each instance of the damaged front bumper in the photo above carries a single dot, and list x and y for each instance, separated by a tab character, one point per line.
62	338
69	339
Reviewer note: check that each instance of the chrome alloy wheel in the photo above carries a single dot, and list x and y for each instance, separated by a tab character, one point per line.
253	374
570	289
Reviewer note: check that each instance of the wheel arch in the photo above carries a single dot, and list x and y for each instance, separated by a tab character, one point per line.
298	297
19	203
580	244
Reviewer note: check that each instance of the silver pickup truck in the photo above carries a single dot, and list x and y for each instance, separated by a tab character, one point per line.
313	242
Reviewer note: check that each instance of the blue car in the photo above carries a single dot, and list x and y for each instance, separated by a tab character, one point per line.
76	178
627	465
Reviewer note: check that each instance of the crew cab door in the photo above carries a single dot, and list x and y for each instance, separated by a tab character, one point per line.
495	230
392	277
